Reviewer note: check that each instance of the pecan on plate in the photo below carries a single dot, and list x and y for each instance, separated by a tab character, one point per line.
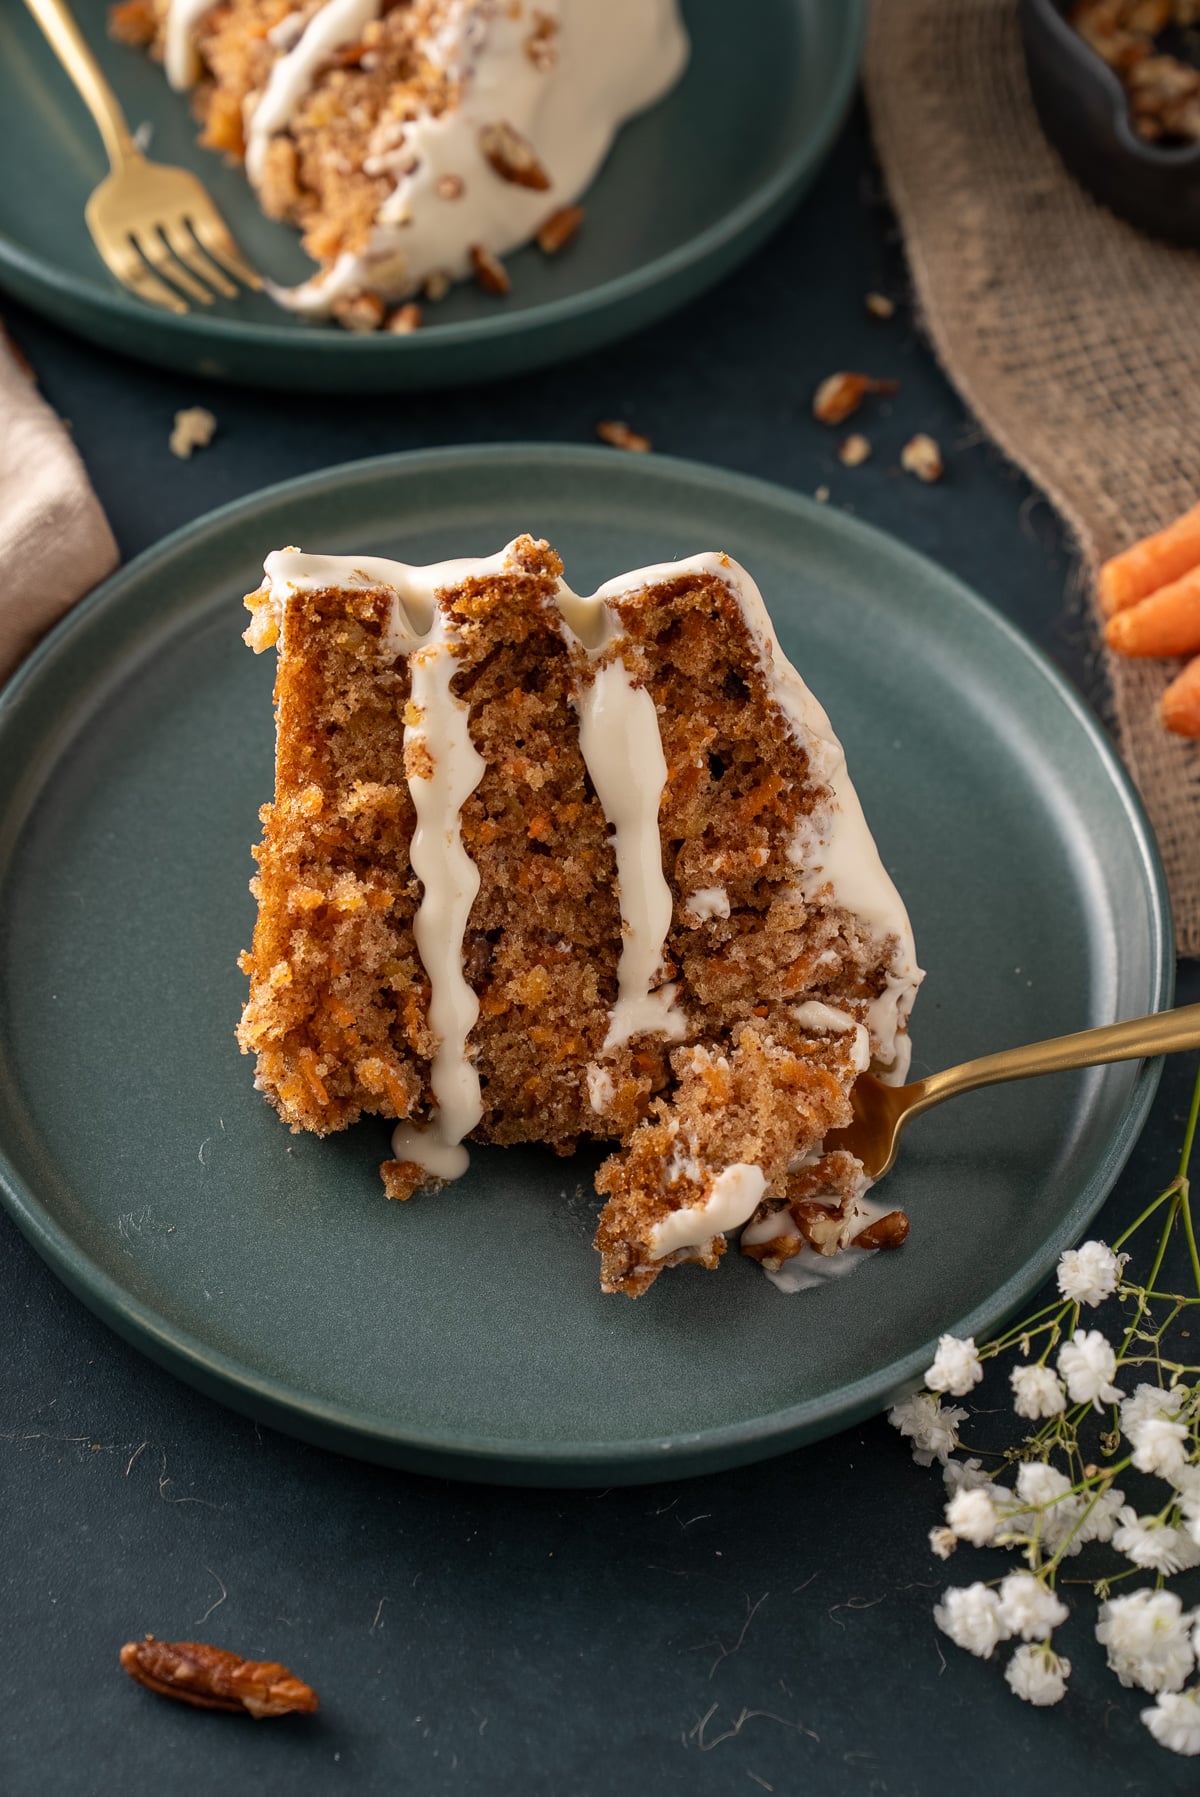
512	157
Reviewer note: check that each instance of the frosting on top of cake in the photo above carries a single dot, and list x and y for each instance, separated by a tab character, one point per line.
622	748
560	77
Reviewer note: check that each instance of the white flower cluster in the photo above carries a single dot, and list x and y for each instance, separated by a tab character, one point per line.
1150	1640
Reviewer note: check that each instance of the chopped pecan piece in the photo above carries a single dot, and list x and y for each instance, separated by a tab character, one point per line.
361	313
843	393
854	450
451	187
922	457
879	305
404	320
132	22
489	270
618	435
541	46
512	157
884	1232
559	229
212	1679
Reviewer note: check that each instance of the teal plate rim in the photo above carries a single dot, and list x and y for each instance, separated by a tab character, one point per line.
628	301
501	1460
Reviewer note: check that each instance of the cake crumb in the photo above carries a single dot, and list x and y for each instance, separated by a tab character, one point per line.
194	429
619	435
821	495
854	450
404	320
840	394
922	457
560	229
437	286
879	305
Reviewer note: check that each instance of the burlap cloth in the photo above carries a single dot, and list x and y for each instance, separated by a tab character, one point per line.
1075	340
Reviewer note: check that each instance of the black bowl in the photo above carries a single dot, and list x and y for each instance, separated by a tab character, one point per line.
1084	111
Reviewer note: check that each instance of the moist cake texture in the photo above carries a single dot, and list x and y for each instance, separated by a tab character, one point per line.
413	142
543	868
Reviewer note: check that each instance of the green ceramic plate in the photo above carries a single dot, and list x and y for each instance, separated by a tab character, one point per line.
689	190
466	1334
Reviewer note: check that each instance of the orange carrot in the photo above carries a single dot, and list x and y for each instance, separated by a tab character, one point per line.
1180	704
1167	623
1152	563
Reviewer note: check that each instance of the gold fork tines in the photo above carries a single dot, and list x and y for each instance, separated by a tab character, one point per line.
156	227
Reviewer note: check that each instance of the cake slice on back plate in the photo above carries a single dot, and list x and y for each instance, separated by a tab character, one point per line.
543	868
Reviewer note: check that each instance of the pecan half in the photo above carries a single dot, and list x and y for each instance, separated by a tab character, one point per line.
512	157
884	1232
212	1679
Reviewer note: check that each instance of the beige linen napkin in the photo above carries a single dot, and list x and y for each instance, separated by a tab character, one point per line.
55	543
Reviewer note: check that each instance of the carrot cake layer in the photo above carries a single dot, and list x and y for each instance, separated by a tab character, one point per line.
543	868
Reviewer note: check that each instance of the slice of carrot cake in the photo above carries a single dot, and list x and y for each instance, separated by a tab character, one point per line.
541	868
413	142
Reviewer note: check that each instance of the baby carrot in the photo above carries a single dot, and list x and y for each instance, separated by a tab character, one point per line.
1167	623
1180	703
1150	564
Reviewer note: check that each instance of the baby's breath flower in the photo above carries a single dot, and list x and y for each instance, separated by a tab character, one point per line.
1029	1608
1037	1392
972	1515
1089	1274
930	1428
943	1541
1087	1362
1147	1401
1174	1721
1100	1516
956	1367
1149	1542
1159	1446
970	1615
1038	1674
1145	1635
964	1475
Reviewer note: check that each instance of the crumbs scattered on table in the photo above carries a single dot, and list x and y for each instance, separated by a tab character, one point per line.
842	393
879	305
854	450
922	457
619	435
194	428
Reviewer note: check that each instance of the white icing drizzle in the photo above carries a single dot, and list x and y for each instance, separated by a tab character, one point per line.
815	1015
180	60
733	1197
622	751
708	901
338	22
448	876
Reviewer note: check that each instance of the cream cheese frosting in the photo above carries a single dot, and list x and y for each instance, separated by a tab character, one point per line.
622	748
604	61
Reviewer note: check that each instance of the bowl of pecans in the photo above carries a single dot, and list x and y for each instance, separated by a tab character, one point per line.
1116	84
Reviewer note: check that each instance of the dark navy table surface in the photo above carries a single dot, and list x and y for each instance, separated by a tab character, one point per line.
767	1629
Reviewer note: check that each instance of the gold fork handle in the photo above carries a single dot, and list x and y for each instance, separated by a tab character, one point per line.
66	39
1165	1033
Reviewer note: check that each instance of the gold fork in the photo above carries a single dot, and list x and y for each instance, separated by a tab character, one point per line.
153	225
882	1112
